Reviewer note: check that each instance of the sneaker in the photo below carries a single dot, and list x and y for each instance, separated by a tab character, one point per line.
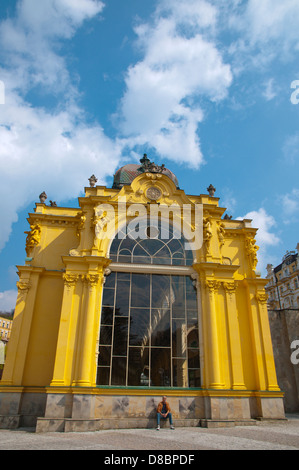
158	428
171	427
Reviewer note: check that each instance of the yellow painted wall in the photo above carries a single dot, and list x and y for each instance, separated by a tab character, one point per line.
44	332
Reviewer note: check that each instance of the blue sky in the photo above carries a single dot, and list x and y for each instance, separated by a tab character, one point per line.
203	86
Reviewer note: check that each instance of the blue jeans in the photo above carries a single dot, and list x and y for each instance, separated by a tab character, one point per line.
169	416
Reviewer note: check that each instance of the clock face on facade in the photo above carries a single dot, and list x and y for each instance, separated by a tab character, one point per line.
153	193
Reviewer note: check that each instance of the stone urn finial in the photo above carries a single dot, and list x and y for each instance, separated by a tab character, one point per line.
211	190
43	197
92	181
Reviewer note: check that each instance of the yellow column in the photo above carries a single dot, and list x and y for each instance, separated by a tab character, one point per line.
20	335
67	332
256	334
270	371
234	336
215	373
86	347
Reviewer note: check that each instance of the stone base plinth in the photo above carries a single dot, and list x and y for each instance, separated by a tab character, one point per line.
71	411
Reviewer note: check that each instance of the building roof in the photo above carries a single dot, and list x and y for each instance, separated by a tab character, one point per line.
127	173
289	258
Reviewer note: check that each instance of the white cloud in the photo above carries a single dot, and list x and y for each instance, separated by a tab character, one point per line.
290	206
8	300
265	238
52	150
270	90
267	30
180	65
273	20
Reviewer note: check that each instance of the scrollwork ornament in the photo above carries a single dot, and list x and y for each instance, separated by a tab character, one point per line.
212	286
70	280
92	279
229	287
23	286
262	297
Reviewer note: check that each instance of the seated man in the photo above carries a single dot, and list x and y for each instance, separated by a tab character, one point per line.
163	411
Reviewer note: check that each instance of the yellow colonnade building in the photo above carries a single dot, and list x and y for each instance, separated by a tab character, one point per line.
116	307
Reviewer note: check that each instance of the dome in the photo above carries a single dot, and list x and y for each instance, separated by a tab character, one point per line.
127	173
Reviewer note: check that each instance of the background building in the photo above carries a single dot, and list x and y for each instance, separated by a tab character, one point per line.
283	285
5	326
283	307
6	320
116	308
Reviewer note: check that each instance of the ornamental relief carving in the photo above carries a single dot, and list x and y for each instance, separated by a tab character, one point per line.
207	233
91	279
23	286
251	251
212	285
33	238
262	297
70	280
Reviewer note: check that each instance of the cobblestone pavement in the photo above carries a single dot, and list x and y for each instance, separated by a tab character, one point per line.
264	436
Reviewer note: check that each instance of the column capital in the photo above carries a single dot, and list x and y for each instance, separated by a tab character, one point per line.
91	279
70	280
212	285
229	287
261	297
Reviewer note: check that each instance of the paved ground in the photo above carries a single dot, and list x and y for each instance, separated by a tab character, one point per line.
271	436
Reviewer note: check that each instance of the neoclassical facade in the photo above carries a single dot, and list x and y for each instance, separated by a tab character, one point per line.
283	282
141	291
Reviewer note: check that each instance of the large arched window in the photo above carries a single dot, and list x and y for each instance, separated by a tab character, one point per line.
149	332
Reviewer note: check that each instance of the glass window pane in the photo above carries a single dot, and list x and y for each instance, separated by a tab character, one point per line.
177	261
122	298
193	358
128	243
179	338
114	246
104	358
194	378
103	375
160	322
175	246
140	290
119	365
108	297
106	335
160	291
120	338
152	245
159	260
107	316
153	331
192	340
178	296
192	320
180	373
124	258
139	327
124	277
164	252
110	280
138	372
160	367
140	251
